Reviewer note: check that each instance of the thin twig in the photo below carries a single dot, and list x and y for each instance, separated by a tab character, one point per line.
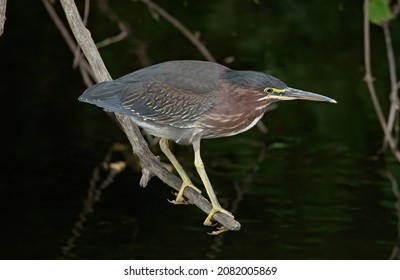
3	6
371	87
114	39
241	189
84	67
125	30
95	190
192	38
140	148
396	191
394	100
178	25
152	163
86	12
123	27
368	69
83	37
77	52
391	60
396	9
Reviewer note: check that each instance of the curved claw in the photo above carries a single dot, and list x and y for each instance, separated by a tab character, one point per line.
218	231
180	199
215	209
184	202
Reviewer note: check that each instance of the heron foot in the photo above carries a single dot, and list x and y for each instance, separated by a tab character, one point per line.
180	199
218	231
215	209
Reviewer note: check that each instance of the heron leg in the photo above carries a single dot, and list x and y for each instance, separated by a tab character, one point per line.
210	191
186	182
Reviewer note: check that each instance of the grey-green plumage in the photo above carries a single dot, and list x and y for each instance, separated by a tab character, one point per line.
186	100
171	92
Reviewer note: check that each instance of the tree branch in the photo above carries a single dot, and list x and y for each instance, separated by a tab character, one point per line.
85	41
3	6
149	162
370	84
152	163
395	255
124	30
394	99
84	67
195	41
186	32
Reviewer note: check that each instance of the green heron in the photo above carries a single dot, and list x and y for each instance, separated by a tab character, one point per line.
186	101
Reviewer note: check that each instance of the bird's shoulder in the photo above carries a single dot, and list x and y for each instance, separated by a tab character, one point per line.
177	93
190	76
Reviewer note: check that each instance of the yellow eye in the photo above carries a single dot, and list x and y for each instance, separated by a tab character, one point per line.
270	90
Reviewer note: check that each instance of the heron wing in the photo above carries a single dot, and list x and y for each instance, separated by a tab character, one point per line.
163	103
175	93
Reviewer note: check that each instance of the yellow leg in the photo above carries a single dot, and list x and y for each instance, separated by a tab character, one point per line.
211	194
186	182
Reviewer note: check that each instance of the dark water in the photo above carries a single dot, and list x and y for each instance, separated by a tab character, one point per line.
311	188
297	203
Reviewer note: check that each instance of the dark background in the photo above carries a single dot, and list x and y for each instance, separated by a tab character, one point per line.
312	188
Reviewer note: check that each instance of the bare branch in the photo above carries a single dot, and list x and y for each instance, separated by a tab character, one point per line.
124	33
124	30
77	52
394	108
85	41
141	53
141	47
148	161
112	16
396	8
86	12
3	6
395	255
151	163
84	67
96	186
371	87
178	25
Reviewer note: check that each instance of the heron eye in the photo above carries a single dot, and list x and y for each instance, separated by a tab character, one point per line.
269	90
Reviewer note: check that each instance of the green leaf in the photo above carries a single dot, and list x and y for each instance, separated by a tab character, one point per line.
379	11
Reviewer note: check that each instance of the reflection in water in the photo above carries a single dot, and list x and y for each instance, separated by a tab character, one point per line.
96	186
312	201
395	255
299	213
240	191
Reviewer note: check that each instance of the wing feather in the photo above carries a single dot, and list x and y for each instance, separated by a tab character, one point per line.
162	103
176	93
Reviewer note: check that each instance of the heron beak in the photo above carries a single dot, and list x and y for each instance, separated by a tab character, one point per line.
292	93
